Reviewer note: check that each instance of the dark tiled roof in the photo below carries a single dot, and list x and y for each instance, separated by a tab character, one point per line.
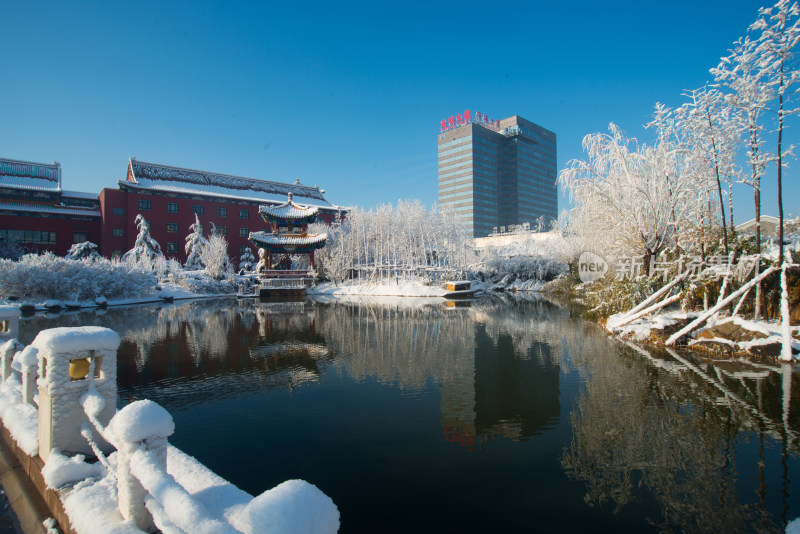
164	177
30	175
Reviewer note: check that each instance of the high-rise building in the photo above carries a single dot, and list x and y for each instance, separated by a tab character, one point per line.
496	173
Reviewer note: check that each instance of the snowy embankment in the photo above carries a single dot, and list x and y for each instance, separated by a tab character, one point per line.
398	288
167	292
728	335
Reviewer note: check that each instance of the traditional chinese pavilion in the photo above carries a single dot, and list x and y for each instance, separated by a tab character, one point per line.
289	238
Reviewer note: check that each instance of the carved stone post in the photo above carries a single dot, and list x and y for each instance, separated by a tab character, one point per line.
66	356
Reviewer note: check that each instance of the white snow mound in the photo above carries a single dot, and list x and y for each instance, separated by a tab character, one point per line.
295	507
141	420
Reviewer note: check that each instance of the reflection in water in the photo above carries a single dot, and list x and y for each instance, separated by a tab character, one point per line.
643	440
668	428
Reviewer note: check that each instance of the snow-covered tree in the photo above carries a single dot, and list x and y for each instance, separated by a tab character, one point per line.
80	251
247	261
741	76
780	34
214	255
194	246
631	197
710	130
146	249
393	241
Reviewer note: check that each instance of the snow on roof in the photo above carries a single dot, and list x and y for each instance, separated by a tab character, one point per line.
30	175
39	208
166	178
211	191
282	240
79	194
289	210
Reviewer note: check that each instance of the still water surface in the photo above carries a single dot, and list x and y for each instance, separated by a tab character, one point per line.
509	415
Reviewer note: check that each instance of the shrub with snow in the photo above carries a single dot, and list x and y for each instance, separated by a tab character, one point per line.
247	261
10	249
85	250
214	255
201	282
49	276
505	272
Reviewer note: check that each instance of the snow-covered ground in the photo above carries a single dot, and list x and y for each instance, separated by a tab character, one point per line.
398	288
650	328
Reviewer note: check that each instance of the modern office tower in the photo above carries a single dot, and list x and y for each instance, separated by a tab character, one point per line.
496	173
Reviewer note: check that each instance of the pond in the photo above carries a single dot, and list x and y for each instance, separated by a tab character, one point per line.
497	415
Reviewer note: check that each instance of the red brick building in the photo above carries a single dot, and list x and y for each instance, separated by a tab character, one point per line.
39	215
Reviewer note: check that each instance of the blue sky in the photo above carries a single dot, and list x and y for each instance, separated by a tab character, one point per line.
346	95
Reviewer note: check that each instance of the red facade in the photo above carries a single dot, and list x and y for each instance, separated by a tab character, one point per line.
41	217
170	217
67	230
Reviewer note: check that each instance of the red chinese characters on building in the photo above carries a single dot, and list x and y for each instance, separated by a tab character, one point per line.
456	120
467	117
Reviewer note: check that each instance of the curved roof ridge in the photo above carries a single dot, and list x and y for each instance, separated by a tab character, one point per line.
289	210
159	172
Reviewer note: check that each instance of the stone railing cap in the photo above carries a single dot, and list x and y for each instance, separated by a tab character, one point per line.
71	340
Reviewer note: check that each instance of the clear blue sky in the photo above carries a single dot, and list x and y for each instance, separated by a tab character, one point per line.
344	95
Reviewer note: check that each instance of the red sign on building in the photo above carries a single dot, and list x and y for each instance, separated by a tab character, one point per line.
455	121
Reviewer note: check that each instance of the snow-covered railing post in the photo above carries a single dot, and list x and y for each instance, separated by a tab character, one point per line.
9	322
7	352
66	357
139	426
29	364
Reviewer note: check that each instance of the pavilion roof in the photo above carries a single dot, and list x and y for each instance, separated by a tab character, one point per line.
289	211
267	239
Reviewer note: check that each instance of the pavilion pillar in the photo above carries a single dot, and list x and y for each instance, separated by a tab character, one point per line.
312	260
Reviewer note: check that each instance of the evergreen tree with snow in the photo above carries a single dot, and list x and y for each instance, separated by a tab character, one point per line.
247	261
10	249
145	248
80	251
194	246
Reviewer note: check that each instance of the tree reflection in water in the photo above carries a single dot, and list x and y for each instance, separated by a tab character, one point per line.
669	428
